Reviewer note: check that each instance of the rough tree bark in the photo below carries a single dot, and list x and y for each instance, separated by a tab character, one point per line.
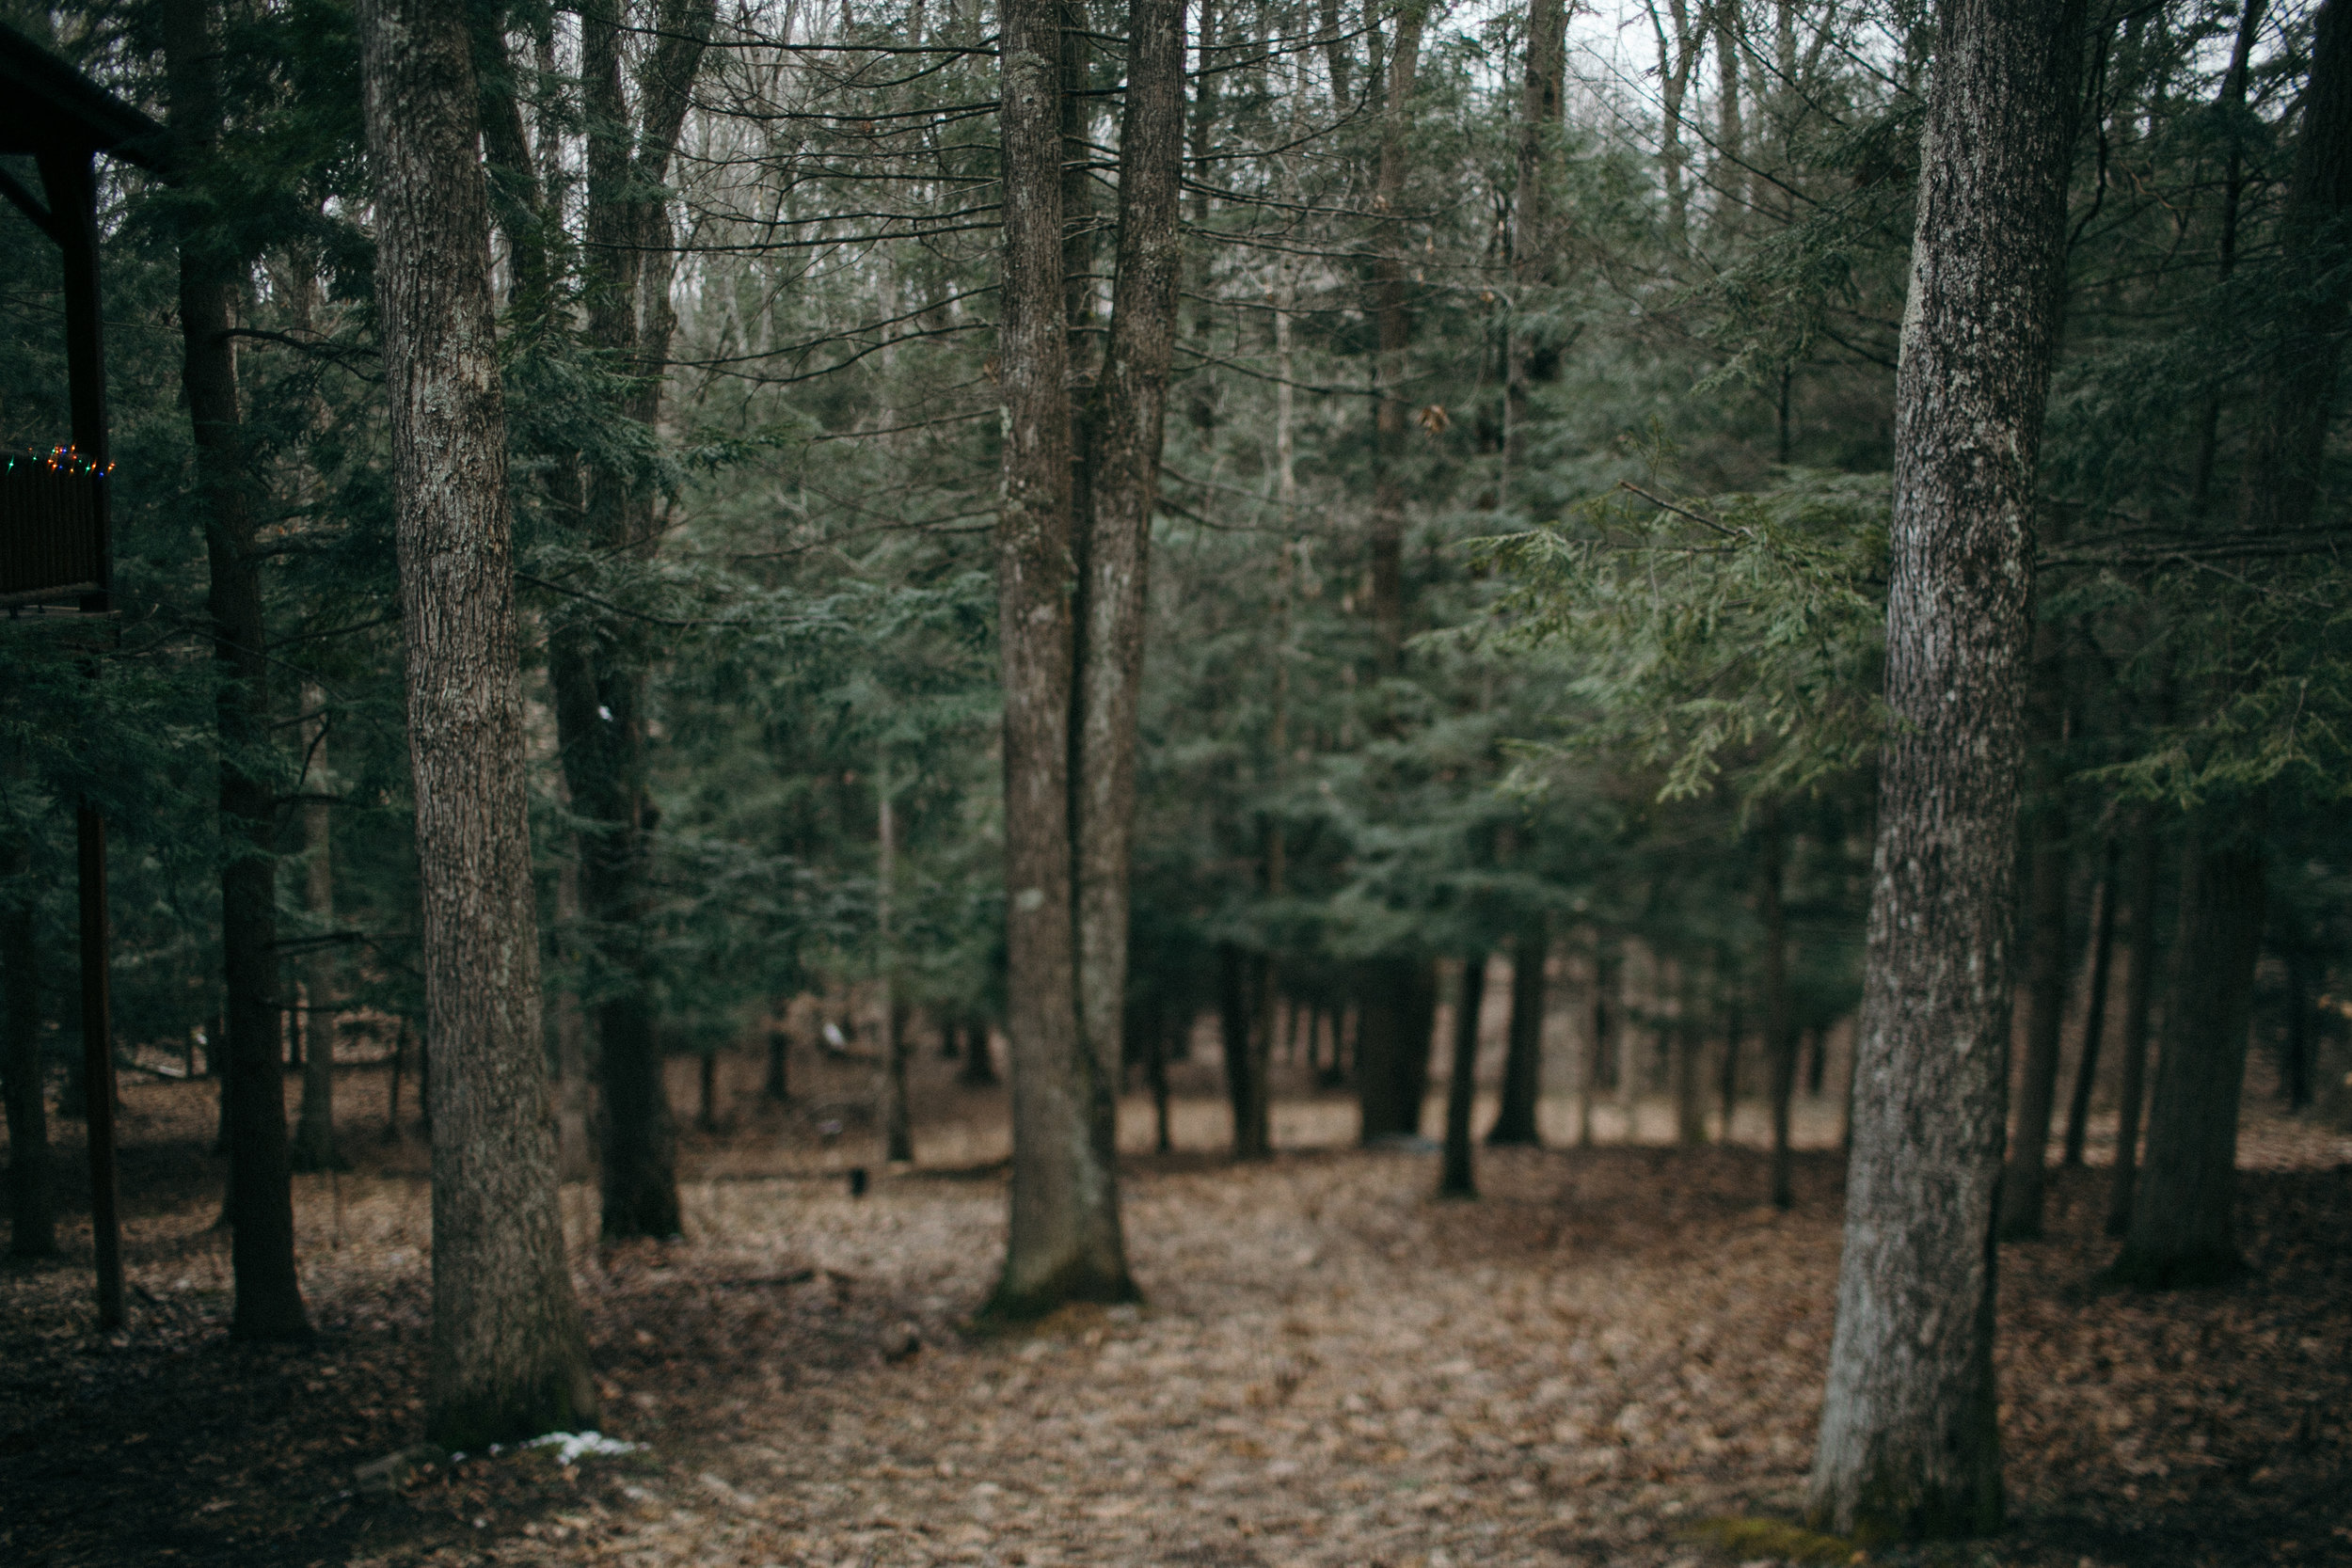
261	1188
314	1148
1064	1243
1125	425
595	671
509	1358
1910	1442
1690	1042
1523	1061
1457	1178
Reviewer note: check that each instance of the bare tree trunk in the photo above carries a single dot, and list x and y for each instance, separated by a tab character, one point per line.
596	671
1677	57
778	1086
1461	1089
391	1093
2045	969
509	1358
1780	1030
2139	994
1523	1064
1597	1054
1533	250
314	1147
1127	421
1396	328
32	1213
1064	1240
2095	1012
1910	1438
1241	1031
260	1210
575	1147
897	1133
1688	1041
1393	1029
2181	1230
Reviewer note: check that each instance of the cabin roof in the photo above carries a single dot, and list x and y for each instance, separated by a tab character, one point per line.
48	106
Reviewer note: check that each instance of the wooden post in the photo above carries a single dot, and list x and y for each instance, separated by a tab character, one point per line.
67	179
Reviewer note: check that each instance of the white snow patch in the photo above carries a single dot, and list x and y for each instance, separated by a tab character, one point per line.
569	1445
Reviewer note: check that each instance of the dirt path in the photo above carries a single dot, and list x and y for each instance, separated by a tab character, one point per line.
1612	1346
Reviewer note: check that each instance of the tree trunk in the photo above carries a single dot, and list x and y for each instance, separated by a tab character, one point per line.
1125	428
575	1157
1534	251
391	1092
1064	1242
1597	1053
1393	1021
2045	1015
778	1086
32	1215
2095	1011
314	1148
979	1054
509	1358
261	1213
597	671
1396	328
2131	1095
1461	1088
1688	1041
1523	1063
1728	1083
1780	1030
2179	1232
1910	1440
2180	1227
898	1132
1244	1039
1155	1070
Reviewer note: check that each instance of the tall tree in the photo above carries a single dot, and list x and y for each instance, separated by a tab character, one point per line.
314	1147
261	1189
1456	1176
1910	1440
509	1356
2139	988
1523	1061
1125	427
2180	1231
1533	250
1064	1243
2045	964
596	668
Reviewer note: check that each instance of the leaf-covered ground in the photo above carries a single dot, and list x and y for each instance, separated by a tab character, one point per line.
1613	1348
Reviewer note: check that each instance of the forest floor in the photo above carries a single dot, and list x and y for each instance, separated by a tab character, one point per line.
1613	1353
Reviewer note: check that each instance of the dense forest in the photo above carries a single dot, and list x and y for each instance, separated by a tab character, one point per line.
1027	593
